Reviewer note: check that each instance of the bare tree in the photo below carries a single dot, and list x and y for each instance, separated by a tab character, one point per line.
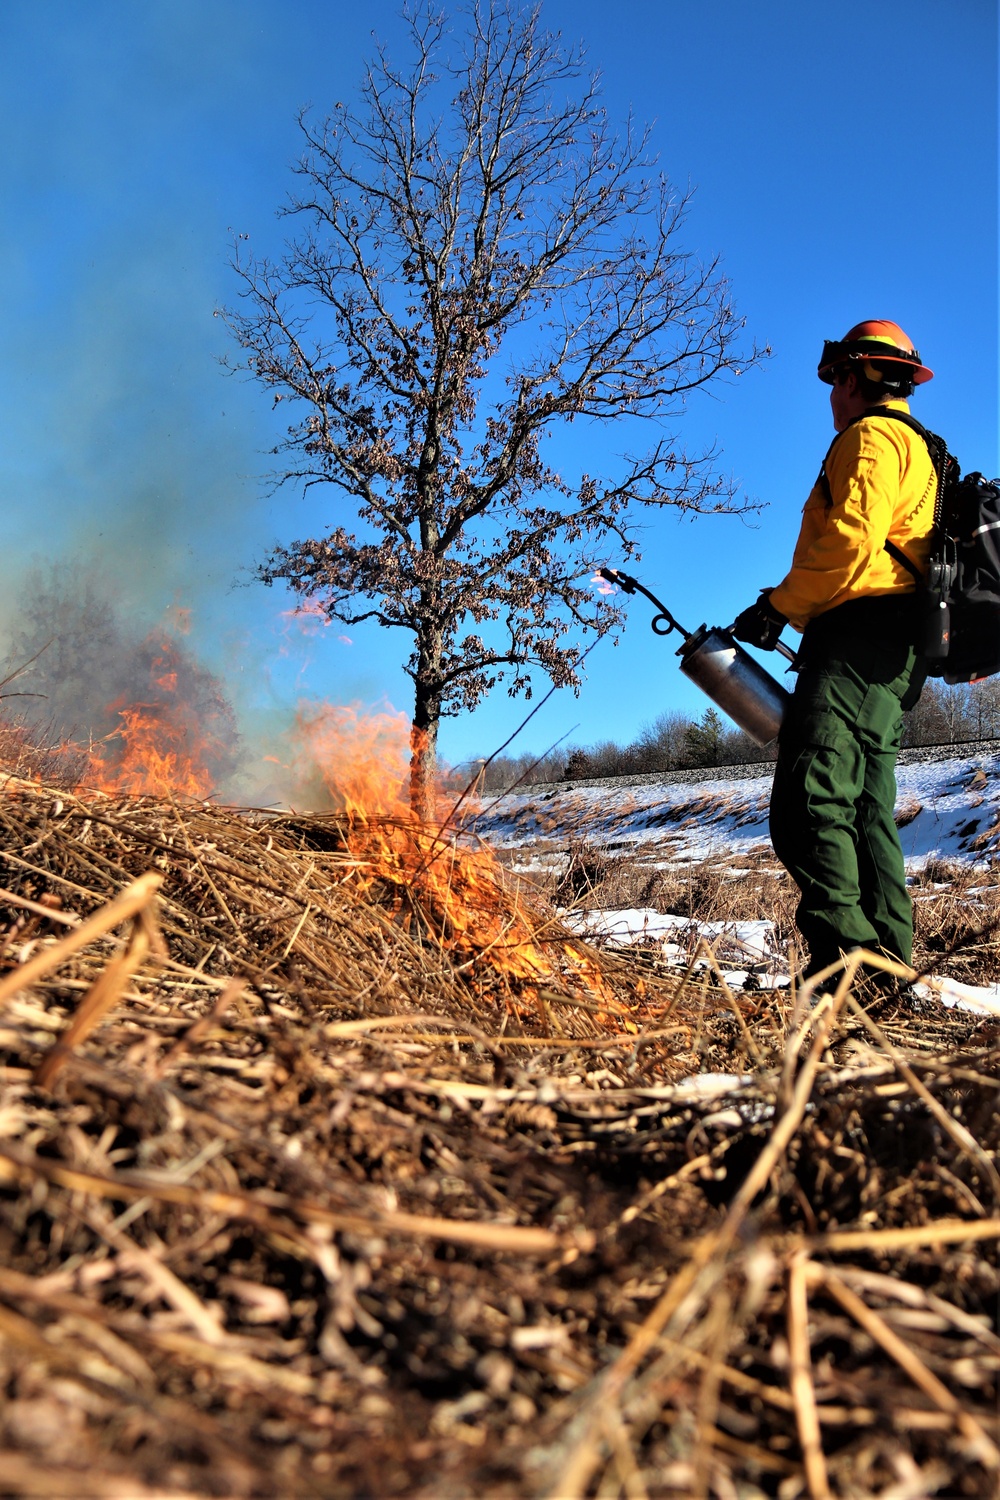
954	713
480	258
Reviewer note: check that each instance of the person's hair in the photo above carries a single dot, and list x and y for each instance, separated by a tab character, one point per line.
894	382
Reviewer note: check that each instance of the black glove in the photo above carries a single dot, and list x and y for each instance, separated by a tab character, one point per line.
761	624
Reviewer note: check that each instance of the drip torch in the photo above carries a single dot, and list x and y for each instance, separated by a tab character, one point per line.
713	659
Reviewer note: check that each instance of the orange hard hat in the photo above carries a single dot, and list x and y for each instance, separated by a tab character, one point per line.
876	339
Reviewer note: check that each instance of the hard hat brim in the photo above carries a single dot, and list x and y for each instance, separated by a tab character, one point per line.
919	374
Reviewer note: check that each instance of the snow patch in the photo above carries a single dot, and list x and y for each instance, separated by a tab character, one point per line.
643	924
983	999
949	809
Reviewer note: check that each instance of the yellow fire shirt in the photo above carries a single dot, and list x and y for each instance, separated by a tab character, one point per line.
882	484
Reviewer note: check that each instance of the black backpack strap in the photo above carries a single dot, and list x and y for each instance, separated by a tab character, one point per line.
937	448
898	555
930	438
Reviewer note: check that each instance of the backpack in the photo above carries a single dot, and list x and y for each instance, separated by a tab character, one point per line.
961	591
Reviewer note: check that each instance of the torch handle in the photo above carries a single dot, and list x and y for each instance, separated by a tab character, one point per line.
786	651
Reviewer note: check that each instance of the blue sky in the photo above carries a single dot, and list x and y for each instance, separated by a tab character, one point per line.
845	160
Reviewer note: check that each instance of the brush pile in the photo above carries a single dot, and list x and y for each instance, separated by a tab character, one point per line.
331	1165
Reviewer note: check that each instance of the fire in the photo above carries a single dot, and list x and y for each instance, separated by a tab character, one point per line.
435	884
173	740
362	756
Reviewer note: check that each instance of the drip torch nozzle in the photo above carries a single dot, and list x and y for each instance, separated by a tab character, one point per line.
625	582
664	622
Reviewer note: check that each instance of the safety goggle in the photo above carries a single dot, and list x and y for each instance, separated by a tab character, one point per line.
838	352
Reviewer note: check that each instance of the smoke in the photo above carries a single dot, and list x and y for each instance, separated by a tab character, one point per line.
124	450
137	140
86	662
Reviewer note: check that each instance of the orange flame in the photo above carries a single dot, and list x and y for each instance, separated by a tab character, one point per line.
450	893
363	757
161	746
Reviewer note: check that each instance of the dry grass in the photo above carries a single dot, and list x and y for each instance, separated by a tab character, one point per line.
303	1191
956	908
956	913
35	753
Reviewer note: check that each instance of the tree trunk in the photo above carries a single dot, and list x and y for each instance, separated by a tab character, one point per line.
423	761
424	729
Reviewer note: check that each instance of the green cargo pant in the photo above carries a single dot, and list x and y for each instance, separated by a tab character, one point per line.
831	818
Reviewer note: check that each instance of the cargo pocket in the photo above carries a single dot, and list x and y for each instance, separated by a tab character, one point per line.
809	724
880	717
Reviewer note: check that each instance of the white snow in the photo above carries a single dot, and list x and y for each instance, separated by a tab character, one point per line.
640	924
677	937
683	822
948	809
952	992
643	924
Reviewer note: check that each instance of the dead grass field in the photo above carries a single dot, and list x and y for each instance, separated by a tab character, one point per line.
322	1177
956	908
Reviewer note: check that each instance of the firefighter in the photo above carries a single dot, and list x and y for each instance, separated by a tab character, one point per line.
835	784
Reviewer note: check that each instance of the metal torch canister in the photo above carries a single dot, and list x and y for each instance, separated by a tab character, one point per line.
718	664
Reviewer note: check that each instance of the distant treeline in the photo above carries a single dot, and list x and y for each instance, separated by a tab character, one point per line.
944	716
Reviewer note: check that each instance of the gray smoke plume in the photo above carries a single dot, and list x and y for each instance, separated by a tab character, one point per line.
90	660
